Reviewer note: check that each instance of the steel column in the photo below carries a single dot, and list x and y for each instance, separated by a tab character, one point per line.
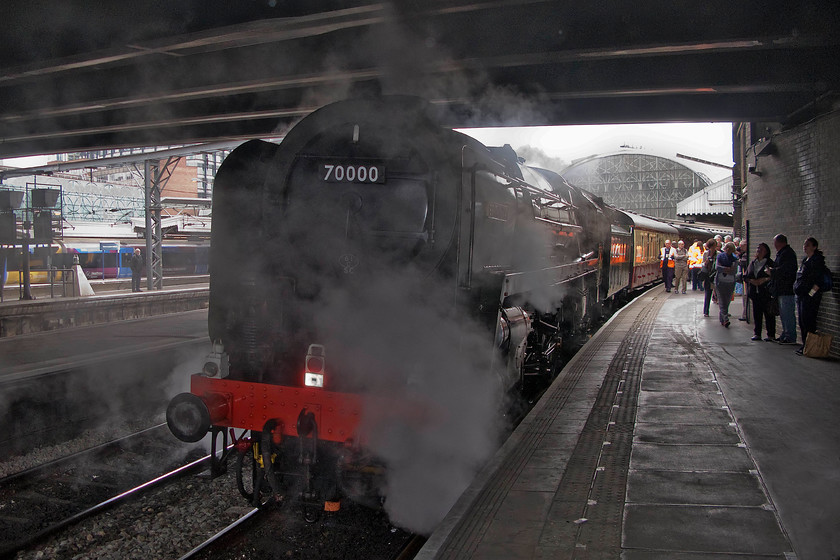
151	201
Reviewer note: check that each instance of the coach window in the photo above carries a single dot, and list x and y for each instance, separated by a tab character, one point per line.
111	260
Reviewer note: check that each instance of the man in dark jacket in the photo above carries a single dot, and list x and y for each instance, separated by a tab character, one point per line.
784	275
136	265
808	288
667	254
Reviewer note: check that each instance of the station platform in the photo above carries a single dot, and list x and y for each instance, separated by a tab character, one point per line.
666	436
12	293
113	301
29	356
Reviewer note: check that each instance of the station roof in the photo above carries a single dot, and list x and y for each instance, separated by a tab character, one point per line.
80	75
716	199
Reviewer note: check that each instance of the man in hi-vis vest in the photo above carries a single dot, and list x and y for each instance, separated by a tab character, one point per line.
666	263
695	261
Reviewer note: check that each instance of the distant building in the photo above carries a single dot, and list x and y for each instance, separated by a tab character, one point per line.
638	182
192	176
116	194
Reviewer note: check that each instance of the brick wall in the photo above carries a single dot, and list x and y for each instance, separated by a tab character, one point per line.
182	182
798	194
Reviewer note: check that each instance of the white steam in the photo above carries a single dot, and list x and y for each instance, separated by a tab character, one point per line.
434	409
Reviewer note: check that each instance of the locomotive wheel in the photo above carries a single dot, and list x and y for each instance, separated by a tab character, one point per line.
247	474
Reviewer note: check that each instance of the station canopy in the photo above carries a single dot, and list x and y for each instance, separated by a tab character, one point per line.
80	76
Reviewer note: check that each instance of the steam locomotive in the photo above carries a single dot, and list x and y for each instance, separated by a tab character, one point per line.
377	283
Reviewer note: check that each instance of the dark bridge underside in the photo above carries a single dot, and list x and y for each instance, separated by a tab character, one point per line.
82	75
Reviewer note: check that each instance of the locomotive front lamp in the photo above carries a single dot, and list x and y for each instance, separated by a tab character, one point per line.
314	380
216	363
315	362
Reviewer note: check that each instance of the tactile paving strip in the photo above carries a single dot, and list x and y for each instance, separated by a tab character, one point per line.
468	532
589	504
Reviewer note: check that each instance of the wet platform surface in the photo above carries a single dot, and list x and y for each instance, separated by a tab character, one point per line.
667	436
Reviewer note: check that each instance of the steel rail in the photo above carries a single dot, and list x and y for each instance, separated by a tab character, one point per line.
82	452
9	550
221	534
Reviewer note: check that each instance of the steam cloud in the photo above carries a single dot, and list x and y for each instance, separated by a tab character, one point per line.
401	341
536	157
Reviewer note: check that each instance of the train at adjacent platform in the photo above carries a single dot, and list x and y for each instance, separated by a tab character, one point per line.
104	260
367	253
111	260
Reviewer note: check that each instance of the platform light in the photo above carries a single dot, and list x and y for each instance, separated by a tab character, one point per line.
315	363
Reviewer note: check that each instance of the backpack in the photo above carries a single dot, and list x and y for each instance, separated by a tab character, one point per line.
713	267
826	280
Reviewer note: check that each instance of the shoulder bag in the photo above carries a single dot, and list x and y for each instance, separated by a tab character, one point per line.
774	306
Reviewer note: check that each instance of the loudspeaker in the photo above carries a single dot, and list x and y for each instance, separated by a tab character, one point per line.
44	198
8	231
9	200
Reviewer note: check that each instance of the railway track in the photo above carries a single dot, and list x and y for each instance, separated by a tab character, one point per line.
42	500
355	532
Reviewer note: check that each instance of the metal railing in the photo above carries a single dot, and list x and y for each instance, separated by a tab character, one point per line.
58	279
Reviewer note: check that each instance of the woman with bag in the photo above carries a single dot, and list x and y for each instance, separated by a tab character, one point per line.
758	284
707	273
808	288
727	265
741	284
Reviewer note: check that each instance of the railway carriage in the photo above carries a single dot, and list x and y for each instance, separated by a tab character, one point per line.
649	237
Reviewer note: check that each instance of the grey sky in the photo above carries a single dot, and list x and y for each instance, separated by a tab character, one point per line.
709	141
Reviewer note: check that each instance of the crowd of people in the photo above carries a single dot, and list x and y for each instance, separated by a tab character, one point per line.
722	268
